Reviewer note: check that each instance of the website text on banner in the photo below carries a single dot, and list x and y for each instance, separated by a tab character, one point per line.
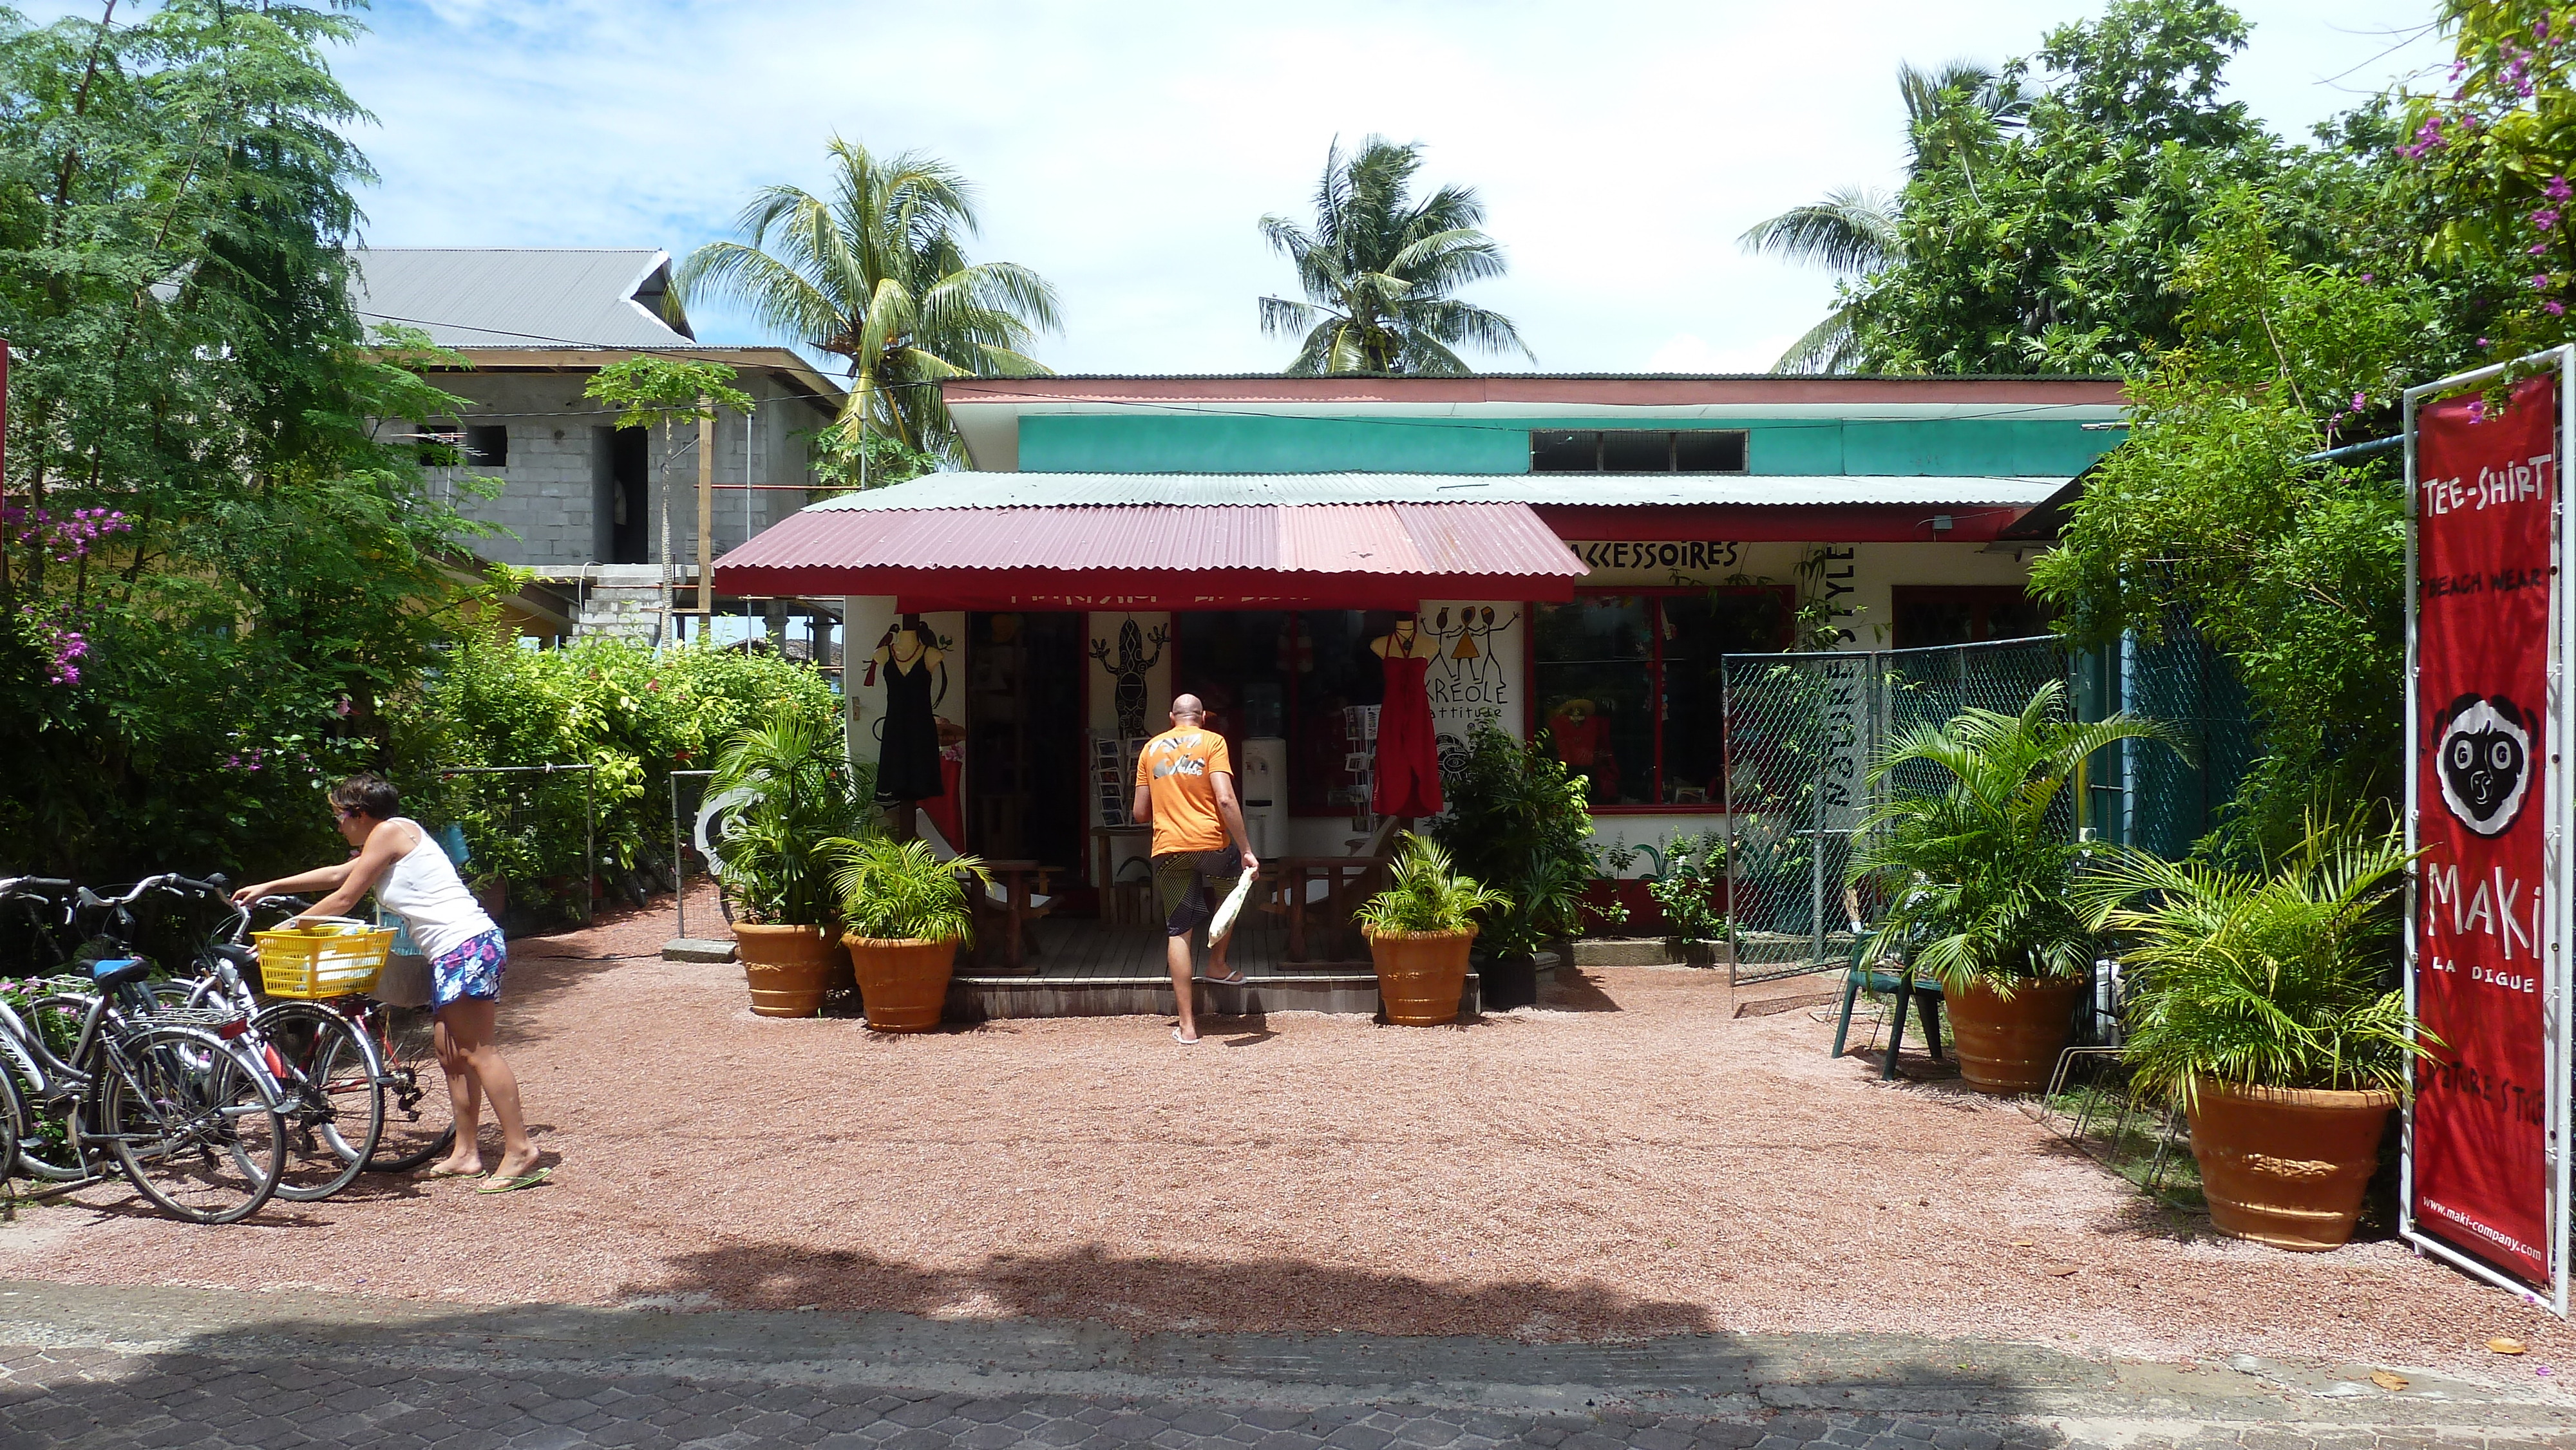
2486	496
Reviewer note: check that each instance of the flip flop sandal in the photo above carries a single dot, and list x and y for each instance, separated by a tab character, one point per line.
513	1185
1184	1041
457	1173
1234	979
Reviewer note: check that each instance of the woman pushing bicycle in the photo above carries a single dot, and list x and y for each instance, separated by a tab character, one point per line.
413	879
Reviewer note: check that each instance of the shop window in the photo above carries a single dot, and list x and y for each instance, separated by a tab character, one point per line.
1286	674
1629	687
1637	450
1924	615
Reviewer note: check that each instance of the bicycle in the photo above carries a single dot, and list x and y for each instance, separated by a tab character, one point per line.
340	1050
191	1117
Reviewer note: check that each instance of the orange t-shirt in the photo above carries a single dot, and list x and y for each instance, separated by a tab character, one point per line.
1174	770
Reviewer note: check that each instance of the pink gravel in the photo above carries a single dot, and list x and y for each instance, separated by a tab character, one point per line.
1630	1159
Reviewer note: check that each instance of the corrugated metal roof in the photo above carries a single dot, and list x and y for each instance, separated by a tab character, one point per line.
1366	538
1593	377
518	297
953	491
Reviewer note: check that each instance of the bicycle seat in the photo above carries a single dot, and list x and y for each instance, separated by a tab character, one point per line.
238	956
117	971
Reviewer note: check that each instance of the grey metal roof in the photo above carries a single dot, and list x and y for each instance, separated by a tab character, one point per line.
1597	490
521	297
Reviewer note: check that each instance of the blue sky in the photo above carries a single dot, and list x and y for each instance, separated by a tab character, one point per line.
1126	150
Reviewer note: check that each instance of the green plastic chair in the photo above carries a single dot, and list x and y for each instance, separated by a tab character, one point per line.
1909	990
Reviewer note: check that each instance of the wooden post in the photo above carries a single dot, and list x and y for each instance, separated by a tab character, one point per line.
706	509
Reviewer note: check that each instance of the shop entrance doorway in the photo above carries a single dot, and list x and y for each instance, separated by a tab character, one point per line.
1024	743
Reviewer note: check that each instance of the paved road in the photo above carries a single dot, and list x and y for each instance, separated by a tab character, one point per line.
86	1367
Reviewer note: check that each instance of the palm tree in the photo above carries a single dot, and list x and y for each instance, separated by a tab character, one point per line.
1951	114
874	273
1379	272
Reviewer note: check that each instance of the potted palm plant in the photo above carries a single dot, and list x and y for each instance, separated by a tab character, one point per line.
907	911
2260	1005
797	794
1420	930
1969	849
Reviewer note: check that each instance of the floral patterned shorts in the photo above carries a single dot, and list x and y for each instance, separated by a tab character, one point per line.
472	972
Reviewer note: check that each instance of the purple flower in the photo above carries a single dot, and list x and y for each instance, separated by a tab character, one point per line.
2478	410
2554	309
2558	189
2539	281
2545	218
2369	277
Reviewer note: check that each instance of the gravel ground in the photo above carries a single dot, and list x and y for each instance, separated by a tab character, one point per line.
1630	1159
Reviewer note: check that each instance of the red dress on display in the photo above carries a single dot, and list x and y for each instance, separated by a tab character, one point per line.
1407	778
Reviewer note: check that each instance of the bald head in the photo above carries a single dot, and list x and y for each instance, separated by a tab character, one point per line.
1187	707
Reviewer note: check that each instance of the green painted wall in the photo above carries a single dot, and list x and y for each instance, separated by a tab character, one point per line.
1104	443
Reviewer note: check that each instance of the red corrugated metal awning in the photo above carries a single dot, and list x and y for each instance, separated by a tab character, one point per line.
1247	556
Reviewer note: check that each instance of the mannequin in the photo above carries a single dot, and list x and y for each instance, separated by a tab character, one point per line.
1407	776
908	757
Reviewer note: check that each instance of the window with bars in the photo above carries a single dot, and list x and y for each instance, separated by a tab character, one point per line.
1629	686
1638	450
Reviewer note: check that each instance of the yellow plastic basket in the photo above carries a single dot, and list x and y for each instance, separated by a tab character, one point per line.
335	959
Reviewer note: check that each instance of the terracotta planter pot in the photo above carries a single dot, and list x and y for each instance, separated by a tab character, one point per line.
902	984
2287	1167
2011	1045
1421	974
787	967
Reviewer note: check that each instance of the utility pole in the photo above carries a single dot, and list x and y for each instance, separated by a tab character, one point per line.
706	508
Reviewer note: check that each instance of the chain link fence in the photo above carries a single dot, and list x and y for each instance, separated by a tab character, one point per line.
1802	731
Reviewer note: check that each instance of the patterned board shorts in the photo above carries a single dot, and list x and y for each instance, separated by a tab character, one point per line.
1181	886
472	972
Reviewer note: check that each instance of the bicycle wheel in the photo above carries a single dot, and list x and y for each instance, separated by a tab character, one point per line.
45	1146
335	1110
205	1146
420	1122
11	1111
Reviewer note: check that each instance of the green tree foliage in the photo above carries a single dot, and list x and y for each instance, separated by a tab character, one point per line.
803	804
1381	271
2214	513
2497	150
875	273
1953	116
211	567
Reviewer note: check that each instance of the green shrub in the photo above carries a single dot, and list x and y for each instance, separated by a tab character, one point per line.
1518	819
1694	872
898	891
633	715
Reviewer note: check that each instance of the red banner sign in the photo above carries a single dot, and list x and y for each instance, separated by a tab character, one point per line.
2486	499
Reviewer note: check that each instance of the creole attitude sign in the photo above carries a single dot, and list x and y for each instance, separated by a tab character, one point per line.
2483	759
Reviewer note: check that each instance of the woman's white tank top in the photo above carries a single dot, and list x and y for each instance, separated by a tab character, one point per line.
424	890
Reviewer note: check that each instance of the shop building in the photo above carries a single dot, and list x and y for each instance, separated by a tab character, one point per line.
1570	554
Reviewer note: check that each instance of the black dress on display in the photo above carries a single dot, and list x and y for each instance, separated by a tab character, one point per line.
908	760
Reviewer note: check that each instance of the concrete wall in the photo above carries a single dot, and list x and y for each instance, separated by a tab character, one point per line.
1112	443
548	504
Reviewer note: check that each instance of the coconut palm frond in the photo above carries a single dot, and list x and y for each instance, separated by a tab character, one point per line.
873	271
1425	893
1379	271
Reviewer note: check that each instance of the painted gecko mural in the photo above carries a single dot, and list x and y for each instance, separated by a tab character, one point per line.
1129	671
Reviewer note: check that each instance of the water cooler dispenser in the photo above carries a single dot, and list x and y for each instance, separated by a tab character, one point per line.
1262	783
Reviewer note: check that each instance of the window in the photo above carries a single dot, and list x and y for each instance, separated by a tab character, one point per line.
1920	615
487	445
1629	687
1638	450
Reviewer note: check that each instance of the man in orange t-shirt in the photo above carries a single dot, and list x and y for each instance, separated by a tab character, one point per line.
1185	787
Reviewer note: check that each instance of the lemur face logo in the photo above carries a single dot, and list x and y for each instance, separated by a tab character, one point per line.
2485	750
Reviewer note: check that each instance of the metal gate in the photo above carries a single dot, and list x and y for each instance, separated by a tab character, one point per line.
1801	733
